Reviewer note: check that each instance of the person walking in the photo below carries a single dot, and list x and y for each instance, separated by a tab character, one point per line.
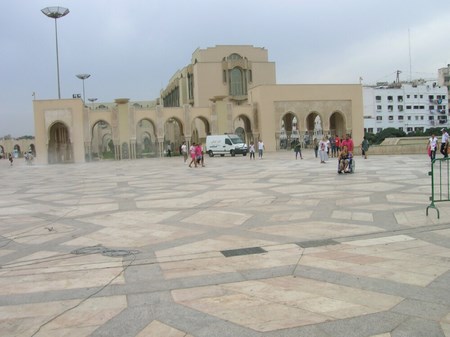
364	147
337	141
298	150
333	146
432	146
251	150
200	155
183	150
323	148
192	153
260	149
444	143
316	146
10	158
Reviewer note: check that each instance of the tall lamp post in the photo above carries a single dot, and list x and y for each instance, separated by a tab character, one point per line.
83	77
56	13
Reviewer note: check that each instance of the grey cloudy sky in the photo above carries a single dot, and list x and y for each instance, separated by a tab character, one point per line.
131	48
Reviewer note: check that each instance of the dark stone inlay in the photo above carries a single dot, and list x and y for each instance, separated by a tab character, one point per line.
243	251
317	243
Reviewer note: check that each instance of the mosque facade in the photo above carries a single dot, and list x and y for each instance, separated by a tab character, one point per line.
224	89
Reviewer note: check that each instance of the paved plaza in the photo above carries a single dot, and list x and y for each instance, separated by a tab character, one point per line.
276	247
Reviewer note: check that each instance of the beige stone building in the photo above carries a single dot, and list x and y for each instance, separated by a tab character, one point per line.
225	89
17	147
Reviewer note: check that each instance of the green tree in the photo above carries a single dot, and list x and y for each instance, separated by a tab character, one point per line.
388	133
371	137
435	131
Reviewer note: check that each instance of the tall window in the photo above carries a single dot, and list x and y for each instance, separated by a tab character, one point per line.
190	85
237	82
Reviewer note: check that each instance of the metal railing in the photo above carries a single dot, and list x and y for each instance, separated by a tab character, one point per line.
440	182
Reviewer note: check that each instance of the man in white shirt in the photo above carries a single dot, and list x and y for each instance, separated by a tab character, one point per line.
444	143
260	149
432	146
183	149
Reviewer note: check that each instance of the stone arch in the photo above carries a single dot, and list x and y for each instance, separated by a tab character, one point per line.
200	129
173	134
314	125
289	130
17	151
59	144
102	145
33	150
338	124
146	139
2	152
242	126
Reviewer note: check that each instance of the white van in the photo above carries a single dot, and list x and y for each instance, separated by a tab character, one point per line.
225	144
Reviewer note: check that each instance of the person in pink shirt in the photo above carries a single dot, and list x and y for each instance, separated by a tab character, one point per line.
192	150
198	154
349	143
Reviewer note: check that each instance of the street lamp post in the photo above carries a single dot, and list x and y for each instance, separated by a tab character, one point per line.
56	13
83	77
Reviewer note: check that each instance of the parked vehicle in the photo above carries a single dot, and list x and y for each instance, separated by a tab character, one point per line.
225	144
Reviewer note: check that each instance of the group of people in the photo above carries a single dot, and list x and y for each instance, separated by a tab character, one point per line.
195	152
28	156
331	147
251	149
433	145
342	148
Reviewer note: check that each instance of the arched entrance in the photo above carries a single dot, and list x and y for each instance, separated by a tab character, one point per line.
59	145
337	124
243	128
289	131
17	152
200	129
146	140
33	150
173	136
102	145
314	126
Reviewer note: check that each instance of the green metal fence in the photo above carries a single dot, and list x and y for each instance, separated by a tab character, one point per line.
440	182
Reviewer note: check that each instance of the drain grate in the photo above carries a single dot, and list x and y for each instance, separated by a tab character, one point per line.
243	251
317	243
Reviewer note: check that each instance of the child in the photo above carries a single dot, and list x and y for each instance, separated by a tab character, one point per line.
251	150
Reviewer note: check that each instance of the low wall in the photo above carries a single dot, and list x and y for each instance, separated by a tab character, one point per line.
404	145
396	149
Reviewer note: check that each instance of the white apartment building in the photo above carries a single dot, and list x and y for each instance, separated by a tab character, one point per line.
444	76
412	106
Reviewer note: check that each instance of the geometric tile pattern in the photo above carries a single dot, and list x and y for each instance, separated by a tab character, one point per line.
284	302
264	248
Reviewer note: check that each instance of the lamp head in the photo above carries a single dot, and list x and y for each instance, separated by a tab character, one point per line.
83	76
55	12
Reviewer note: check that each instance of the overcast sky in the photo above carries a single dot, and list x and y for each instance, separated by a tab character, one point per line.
131	48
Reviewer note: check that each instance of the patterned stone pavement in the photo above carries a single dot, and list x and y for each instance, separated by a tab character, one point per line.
274	247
